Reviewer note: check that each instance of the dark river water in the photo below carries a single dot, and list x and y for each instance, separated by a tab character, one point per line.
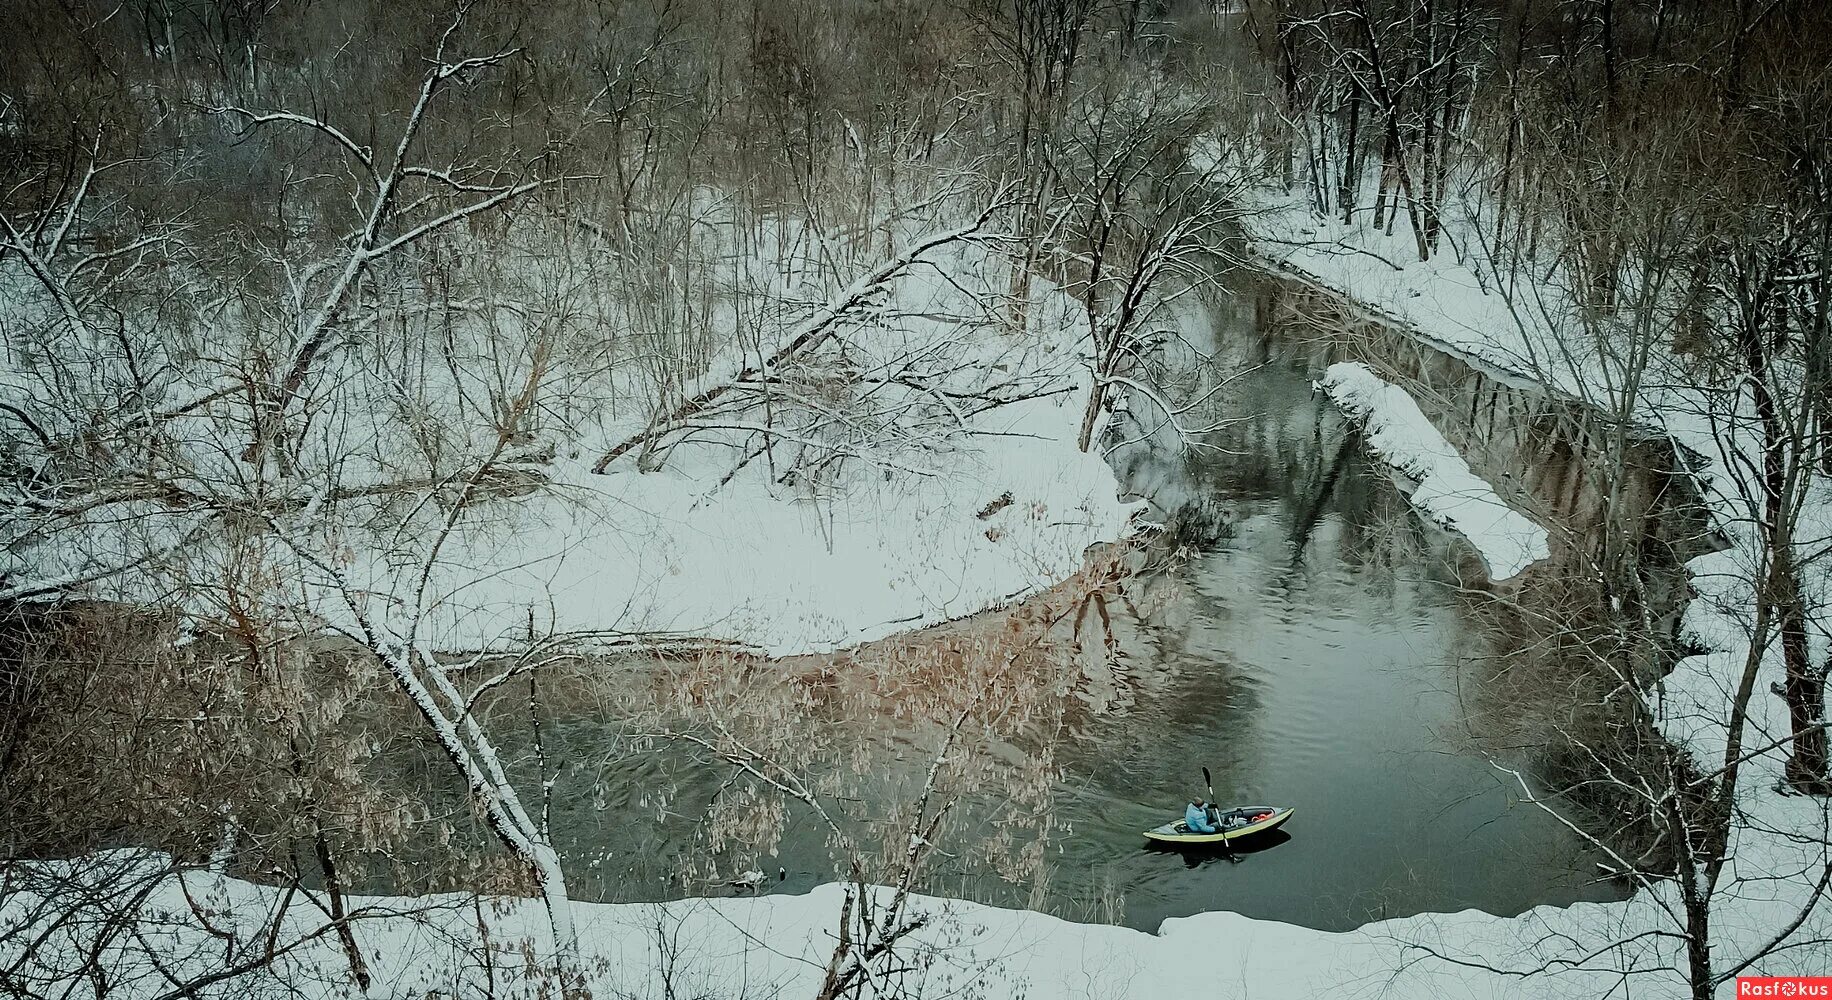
1315	658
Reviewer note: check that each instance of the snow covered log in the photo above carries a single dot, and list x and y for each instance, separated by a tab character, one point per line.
1444	489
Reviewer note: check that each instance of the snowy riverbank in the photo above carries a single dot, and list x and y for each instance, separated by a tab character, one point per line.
1002	509
943	480
780	946
1770	894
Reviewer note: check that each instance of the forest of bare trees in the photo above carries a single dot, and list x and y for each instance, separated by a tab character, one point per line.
296	297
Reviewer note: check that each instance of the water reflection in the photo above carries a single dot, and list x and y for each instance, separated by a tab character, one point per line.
1312	654
1316	658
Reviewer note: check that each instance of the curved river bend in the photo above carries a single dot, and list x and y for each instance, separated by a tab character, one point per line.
1315	657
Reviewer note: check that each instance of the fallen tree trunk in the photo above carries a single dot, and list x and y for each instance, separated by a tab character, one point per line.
812	333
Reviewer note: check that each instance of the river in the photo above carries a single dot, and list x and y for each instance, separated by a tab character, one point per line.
1315	655
1318	657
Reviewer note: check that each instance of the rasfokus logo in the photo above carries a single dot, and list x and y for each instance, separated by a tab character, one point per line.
1784	986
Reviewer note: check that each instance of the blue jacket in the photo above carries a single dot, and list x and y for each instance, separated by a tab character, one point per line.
1197	819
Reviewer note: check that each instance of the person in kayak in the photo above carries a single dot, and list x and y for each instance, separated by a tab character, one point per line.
1196	817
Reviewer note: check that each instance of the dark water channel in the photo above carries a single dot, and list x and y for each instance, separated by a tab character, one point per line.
1320	659
1316	657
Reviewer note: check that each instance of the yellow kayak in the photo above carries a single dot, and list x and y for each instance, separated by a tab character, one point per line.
1236	823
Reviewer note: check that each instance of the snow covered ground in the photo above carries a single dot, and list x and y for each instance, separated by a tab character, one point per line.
961	487
789	574
794	569
665	552
1449	305
780	945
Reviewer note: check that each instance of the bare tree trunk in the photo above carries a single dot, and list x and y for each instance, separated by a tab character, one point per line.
1804	688
1349	191
1386	182
333	888
1781	463
1090	415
